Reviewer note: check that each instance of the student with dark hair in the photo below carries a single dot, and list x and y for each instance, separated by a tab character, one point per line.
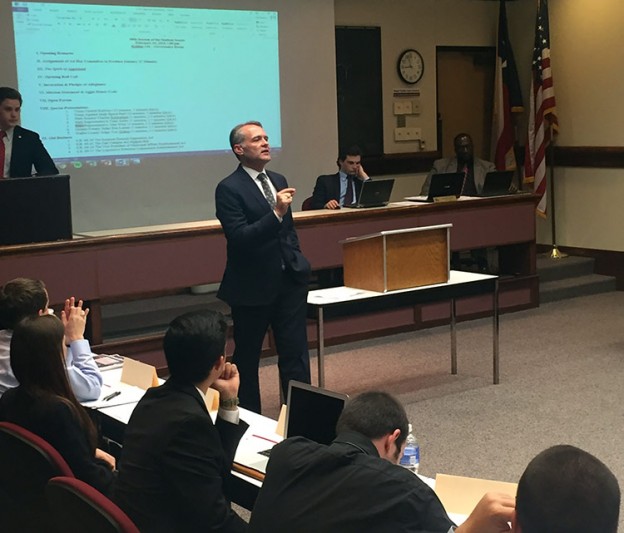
356	485
175	459
567	490
332	191
24	297
20	149
45	404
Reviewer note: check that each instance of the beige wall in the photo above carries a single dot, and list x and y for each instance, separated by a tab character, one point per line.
586	41
422	25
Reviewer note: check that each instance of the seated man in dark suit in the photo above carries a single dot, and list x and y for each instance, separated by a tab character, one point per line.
474	169
176	461
567	490
20	149
355	485
332	191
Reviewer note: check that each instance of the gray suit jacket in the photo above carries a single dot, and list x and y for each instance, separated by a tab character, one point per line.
449	164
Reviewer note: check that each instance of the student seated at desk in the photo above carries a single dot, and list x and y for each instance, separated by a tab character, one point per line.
175	460
45	404
566	490
24	297
332	191
355	485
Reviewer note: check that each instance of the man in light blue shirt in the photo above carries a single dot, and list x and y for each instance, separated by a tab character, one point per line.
24	297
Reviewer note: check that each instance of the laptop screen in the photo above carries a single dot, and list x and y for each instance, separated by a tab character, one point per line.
313	412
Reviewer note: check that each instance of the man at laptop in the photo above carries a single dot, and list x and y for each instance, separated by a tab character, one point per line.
20	149
333	191
473	168
355	484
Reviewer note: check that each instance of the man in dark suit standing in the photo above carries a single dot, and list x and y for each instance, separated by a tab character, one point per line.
20	149
266	276
332	191
176	463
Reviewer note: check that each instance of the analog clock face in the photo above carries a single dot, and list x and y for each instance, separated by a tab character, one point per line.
411	66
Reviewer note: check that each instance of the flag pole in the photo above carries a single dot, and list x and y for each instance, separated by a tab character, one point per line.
554	253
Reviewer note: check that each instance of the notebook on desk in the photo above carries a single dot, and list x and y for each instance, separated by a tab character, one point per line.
374	193
311	412
442	184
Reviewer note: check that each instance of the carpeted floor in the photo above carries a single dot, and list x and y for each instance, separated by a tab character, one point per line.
562	374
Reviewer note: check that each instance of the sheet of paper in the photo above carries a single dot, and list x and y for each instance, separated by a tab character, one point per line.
127	394
461	494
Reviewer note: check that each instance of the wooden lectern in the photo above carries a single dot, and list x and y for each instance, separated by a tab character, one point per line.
398	259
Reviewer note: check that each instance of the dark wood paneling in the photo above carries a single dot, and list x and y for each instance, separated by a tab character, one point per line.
589	156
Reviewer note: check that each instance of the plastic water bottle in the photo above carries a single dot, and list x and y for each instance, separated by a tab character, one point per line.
411	455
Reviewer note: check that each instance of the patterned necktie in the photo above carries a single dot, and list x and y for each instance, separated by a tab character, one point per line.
348	199
268	193
2	136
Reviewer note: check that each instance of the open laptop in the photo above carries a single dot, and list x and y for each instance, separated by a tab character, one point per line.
374	193
311	412
497	183
35	209
442	184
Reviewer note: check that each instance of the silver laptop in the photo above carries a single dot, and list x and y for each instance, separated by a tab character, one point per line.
311	412
374	193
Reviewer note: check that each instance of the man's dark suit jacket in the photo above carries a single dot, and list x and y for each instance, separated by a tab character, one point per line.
28	150
342	488
174	464
54	422
328	188
257	243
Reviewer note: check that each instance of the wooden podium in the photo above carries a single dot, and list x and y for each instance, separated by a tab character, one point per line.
398	259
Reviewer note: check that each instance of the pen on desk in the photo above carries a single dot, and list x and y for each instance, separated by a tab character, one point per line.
265	438
111	396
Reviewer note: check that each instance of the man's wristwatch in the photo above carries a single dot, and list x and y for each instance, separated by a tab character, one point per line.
230	403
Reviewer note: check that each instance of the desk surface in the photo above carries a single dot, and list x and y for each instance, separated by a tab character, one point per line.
258	424
336	295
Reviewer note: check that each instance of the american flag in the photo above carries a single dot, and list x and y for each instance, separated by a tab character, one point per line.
542	115
507	98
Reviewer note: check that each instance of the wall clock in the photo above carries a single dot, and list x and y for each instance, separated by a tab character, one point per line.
410	66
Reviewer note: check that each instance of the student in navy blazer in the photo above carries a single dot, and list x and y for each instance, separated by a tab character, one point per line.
266	276
26	149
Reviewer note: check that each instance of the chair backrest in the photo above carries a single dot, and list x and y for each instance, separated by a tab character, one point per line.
27	462
307	204
77	507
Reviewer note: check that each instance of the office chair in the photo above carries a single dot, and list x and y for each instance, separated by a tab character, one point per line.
77	507
307	204
27	462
